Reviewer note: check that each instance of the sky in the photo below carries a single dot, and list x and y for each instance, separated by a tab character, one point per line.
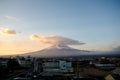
31	25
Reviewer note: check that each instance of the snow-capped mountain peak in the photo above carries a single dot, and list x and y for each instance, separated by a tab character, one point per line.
57	50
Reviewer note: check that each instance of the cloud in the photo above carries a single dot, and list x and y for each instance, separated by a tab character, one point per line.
113	52
55	40
10	17
7	31
116	48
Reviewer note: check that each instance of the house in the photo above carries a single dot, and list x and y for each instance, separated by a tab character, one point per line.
23	61
3	62
112	77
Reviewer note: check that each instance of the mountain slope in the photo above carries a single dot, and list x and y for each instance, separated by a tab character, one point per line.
57	51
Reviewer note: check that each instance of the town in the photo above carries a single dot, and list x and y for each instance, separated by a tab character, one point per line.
60	68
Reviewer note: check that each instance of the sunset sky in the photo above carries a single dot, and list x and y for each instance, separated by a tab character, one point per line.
31	25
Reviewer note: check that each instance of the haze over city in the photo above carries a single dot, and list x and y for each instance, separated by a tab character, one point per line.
33	25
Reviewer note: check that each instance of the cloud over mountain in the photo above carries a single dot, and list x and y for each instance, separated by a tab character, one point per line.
113	52
55	40
7	31
117	48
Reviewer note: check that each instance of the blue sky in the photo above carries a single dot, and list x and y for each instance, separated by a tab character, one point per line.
95	22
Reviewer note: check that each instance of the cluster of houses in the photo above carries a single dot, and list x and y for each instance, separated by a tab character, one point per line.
52	67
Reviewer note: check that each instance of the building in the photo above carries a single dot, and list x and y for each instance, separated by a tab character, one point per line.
57	66
112	77
116	71
3	63
23	62
104	65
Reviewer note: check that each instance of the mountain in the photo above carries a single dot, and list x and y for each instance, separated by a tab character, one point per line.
57	51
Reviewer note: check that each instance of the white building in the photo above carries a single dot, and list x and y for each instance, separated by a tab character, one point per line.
57	66
23	62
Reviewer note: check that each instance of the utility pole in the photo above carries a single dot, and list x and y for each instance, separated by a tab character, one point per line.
77	68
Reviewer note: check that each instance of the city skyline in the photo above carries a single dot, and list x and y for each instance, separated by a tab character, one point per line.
27	26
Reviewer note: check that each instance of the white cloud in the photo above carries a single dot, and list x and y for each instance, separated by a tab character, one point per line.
55	40
7	31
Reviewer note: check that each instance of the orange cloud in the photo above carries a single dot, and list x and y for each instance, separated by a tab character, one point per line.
7	31
55	40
